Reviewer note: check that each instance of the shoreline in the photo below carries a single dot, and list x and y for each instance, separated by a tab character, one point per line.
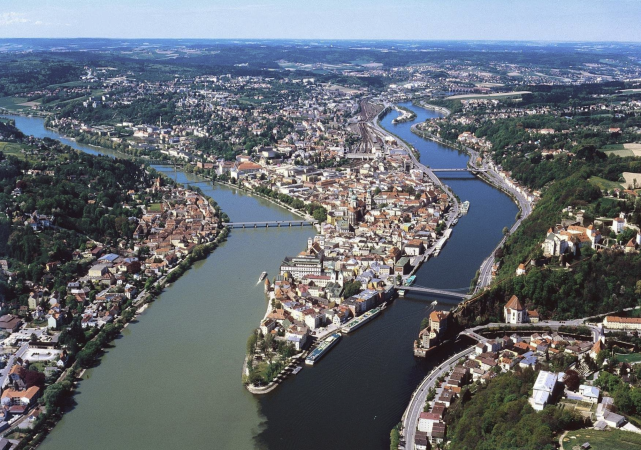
138	305
522	215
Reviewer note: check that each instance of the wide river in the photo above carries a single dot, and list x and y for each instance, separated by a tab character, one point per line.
173	379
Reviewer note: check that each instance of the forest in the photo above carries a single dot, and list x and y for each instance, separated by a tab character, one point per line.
498	416
84	198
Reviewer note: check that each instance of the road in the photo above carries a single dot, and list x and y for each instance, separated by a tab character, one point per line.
4	373
417	402
415	408
597	332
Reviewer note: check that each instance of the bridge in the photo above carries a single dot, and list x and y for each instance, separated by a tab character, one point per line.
427	290
467	169
268	224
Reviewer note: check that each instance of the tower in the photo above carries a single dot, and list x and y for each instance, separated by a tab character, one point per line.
368	200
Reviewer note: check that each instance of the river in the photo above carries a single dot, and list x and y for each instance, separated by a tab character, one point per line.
173	379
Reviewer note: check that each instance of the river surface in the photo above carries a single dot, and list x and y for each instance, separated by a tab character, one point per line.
173	379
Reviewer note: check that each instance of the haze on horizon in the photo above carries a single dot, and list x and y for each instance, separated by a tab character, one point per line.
541	20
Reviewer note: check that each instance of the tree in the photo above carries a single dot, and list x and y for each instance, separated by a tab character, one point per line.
251	343
351	288
34	378
572	380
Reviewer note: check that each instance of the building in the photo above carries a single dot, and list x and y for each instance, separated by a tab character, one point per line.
19	401
427	420
544	388
299	266
10	323
622	323
514	311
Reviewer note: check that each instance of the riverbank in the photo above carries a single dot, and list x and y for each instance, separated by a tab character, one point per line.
406	115
494	179
429	106
90	346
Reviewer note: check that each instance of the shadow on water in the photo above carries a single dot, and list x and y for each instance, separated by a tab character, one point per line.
354	396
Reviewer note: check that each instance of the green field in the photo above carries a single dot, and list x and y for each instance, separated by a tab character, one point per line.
603	440
10	148
14	103
154	207
623	150
629	358
604	184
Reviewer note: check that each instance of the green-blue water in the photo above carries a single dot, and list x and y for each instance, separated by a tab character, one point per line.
173	380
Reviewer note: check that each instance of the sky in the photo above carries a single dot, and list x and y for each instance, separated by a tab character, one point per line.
548	20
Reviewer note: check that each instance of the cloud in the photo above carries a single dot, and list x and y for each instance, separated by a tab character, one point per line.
11	18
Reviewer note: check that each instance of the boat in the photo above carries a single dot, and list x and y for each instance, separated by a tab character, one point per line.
262	276
434	303
401	292
410	280
322	348
358	322
465	207
297	369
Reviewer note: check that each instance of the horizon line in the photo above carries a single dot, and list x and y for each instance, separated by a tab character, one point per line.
329	39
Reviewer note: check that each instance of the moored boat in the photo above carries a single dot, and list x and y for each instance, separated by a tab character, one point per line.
358	322
322	348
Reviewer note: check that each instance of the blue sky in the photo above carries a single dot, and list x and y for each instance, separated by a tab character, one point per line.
552	20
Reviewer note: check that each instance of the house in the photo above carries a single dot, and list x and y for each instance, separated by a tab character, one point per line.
613	420
19	401
514	311
520	270
427	420
590	393
421	441
438	433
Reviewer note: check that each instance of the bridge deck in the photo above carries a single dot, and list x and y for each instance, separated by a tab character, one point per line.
469	169
267	224
433	291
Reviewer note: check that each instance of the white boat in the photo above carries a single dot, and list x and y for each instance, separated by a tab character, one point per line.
322	348
358	322
465	207
262	276
297	369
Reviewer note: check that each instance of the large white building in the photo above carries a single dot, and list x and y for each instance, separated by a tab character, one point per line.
622	323
543	389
